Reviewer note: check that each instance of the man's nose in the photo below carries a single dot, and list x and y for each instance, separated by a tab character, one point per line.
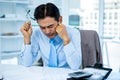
47	30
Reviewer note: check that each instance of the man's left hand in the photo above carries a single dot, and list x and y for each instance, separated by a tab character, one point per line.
61	30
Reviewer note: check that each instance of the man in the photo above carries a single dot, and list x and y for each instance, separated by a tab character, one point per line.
66	40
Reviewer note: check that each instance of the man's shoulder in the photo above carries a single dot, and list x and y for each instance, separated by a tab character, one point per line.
36	30
72	30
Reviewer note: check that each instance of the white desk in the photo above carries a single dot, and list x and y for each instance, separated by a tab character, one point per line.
14	72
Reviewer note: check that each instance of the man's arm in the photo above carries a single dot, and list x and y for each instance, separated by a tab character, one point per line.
27	54
72	45
73	50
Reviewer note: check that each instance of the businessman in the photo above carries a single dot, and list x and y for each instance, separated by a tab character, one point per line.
58	45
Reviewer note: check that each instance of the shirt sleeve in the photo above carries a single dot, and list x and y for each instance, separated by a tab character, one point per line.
73	51
29	52
26	56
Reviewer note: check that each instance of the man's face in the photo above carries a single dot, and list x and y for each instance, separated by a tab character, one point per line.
48	26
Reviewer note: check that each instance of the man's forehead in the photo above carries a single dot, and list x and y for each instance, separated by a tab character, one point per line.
46	22
47	25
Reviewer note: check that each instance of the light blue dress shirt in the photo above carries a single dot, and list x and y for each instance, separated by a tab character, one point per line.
69	56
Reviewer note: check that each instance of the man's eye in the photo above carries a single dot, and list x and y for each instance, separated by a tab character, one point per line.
42	27
50	26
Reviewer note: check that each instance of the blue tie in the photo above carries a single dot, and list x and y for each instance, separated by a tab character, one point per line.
52	55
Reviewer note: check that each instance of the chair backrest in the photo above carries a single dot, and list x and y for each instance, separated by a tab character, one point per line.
91	49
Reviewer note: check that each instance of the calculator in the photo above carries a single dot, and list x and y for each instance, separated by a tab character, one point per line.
79	74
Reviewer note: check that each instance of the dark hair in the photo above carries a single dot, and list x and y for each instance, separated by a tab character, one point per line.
47	10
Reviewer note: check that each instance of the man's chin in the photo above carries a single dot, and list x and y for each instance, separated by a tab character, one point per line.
51	36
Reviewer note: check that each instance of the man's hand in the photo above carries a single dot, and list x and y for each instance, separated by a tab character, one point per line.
61	30
26	30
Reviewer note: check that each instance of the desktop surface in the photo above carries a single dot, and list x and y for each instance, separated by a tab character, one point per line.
18	72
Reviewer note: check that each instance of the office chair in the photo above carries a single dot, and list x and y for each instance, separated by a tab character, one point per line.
91	49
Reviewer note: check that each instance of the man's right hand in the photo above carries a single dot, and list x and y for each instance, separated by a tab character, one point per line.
26	30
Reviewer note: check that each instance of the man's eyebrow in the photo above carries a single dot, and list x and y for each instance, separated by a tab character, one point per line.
46	26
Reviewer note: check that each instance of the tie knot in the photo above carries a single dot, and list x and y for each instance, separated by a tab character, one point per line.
52	41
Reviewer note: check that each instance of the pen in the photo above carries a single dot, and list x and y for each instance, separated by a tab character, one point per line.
28	16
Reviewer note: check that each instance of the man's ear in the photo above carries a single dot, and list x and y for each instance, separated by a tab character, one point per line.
60	19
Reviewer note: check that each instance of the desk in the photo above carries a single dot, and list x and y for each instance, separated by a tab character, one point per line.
17	72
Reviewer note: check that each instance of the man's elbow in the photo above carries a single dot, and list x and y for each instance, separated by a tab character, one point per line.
26	65
76	67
